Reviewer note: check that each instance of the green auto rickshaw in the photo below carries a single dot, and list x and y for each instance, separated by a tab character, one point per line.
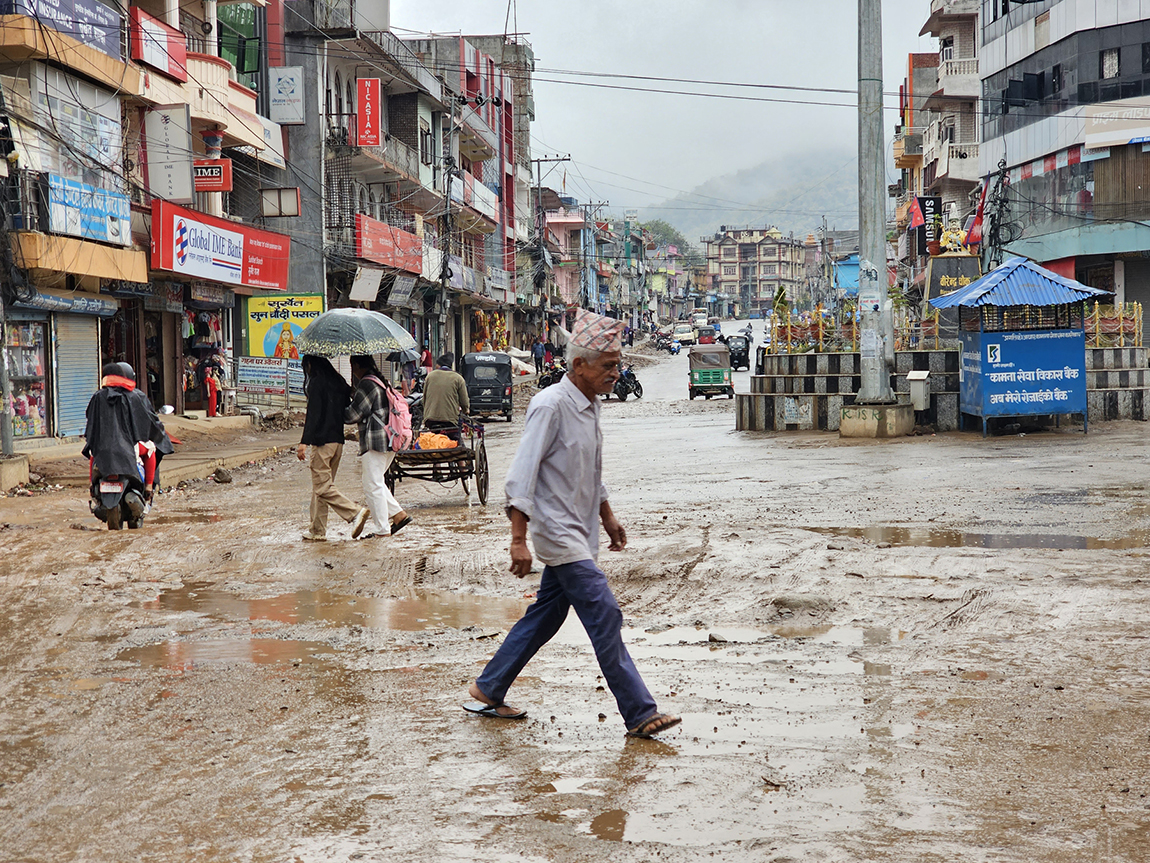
711	371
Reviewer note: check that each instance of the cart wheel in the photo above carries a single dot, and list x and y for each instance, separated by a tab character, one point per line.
638	390
481	476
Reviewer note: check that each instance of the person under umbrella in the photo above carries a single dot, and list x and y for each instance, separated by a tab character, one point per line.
328	396
369	409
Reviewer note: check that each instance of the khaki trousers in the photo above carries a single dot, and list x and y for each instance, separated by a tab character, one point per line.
324	464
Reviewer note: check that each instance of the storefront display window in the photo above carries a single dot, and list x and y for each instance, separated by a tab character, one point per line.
27	347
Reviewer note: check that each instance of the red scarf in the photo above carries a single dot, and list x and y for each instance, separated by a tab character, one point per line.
117	381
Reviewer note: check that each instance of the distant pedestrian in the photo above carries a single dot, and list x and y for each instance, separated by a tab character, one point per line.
370	408
328	395
537	352
426	359
555	485
548	352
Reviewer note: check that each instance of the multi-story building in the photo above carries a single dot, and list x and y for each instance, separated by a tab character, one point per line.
950	139
1067	82
100	150
753	263
920	84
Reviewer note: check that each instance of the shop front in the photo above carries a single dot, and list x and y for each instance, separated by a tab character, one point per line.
52	348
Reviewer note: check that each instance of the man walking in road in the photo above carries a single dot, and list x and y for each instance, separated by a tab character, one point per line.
537	351
555	484
444	398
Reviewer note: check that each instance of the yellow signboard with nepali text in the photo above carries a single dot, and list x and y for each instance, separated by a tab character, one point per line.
275	322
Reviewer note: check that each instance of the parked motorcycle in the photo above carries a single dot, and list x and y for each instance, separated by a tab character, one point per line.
552	374
415	405
627	384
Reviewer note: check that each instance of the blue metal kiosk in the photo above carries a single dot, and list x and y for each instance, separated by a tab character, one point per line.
1023	343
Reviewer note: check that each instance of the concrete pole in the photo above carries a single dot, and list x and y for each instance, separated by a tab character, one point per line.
877	329
6	444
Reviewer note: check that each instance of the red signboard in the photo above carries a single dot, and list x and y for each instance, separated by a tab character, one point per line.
213	175
193	244
383	244
367	113
156	44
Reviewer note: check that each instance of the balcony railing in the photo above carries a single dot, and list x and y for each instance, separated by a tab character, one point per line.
407	61
341	132
967	66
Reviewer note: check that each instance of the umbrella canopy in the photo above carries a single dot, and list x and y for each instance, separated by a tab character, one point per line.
347	332
408	356
1019	282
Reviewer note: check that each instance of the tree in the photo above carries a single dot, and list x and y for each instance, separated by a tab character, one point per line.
666	234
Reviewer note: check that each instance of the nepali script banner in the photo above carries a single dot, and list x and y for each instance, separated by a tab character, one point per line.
1024	373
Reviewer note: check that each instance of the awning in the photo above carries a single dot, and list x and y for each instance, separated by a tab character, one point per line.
1019	282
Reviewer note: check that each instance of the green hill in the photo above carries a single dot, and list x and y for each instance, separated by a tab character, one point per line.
792	193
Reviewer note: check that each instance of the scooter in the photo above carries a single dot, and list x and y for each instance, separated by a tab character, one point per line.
116	499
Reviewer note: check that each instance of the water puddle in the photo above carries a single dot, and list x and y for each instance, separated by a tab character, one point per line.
940	538
189	517
415	611
259	651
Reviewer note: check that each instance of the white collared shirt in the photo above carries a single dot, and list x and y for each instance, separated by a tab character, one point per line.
556	477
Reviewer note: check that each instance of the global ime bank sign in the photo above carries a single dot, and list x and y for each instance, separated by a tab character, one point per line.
205	247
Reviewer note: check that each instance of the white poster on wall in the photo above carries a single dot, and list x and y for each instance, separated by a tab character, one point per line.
168	137
285	98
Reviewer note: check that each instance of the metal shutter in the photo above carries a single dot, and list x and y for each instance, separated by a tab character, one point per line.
77	370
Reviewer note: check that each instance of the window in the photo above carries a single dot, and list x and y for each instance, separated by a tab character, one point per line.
1108	63
426	143
769	269
338	94
748	271
728	251
1056	79
730	270
1145	57
946	48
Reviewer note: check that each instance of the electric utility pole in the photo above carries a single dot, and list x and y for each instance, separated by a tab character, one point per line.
540	222
877	343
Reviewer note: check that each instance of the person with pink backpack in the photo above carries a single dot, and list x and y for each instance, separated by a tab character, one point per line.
384	422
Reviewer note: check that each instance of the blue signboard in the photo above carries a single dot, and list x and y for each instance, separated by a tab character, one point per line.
80	210
1023	373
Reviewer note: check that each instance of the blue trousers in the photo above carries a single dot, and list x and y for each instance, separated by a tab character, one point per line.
581	585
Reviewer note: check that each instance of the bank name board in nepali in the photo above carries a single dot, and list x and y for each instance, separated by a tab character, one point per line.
193	244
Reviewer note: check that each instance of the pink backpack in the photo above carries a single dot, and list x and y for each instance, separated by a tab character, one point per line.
398	417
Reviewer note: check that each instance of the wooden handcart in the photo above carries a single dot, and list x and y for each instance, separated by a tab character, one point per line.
464	463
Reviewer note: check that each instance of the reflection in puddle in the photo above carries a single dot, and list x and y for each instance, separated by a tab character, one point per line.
932	538
417	611
261	651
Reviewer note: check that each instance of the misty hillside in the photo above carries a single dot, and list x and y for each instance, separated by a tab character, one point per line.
792	193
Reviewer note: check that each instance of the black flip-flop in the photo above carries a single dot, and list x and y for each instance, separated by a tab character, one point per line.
400	525
640	729
492	710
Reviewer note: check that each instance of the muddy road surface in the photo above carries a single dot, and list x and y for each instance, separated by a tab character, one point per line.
929	649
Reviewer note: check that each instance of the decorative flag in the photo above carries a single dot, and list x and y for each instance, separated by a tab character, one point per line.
974	235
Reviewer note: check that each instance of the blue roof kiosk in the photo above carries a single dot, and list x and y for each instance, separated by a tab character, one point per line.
1023	343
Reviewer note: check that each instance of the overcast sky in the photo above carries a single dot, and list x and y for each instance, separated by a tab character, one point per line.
661	142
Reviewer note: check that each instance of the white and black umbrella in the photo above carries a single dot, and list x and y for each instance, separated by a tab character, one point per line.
348	332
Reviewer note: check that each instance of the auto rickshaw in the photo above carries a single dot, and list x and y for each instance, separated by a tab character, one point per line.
710	371
740	348
488	378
